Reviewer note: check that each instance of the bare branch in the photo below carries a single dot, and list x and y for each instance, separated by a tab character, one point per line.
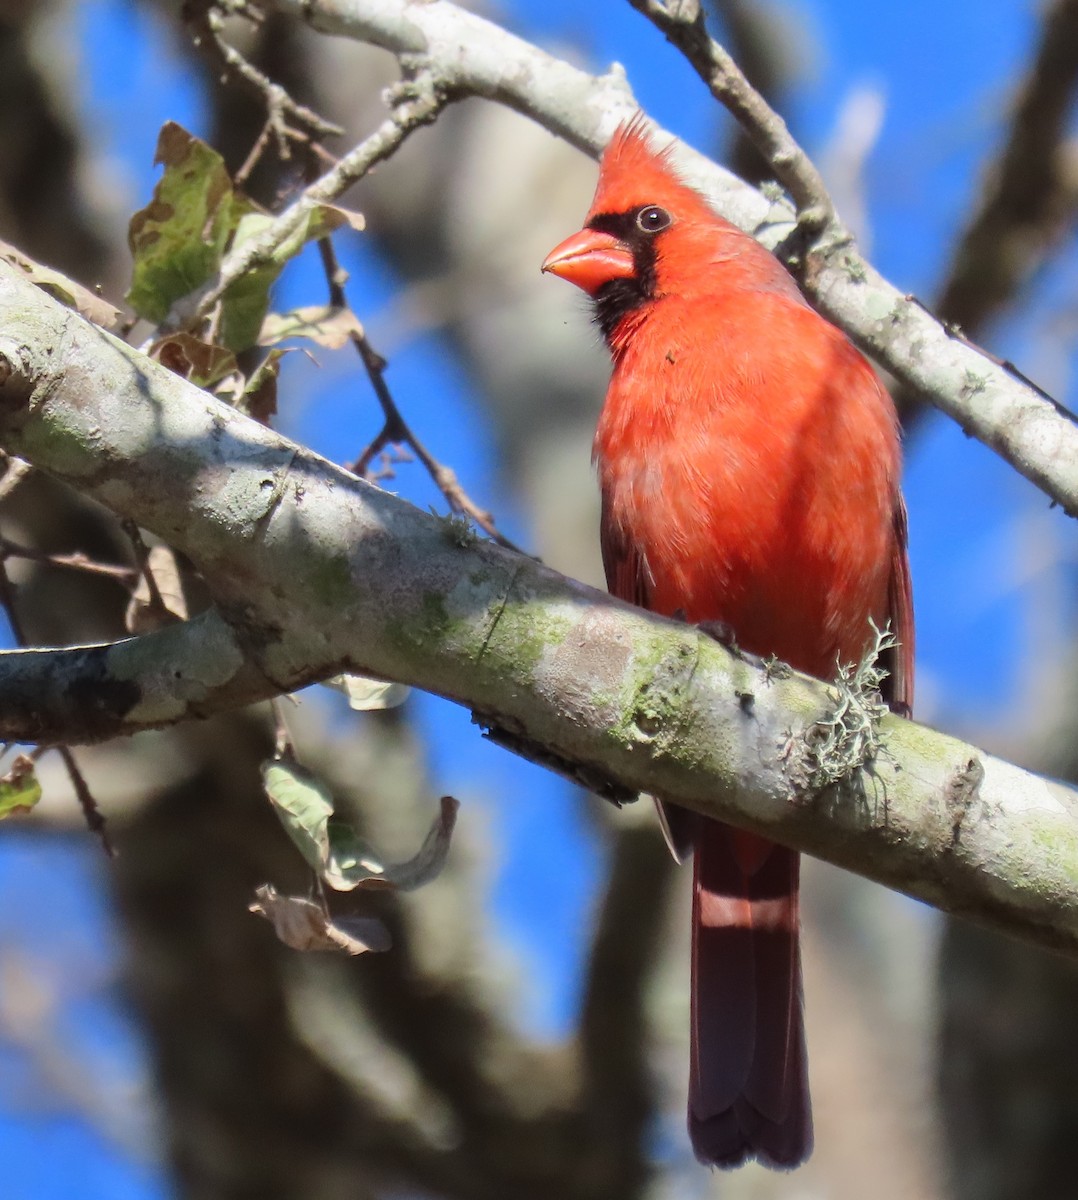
318	570
91	813
396	431
1031	196
74	562
1030	199
682	21
16	472
204	20
759	48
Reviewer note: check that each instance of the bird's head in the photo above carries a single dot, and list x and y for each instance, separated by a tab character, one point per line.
640	212
648	235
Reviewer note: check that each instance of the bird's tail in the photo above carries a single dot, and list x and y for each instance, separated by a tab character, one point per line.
748	1084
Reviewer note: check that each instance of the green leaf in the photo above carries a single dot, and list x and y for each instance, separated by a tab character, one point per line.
245	303
303	806
19	788
353	864
332	847
178	239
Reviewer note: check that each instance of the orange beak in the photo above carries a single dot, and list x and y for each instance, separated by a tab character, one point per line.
590	259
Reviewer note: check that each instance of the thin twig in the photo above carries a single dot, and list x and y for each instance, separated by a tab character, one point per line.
76	561
95	821
682	22
283	744
395	430
204	21
157	606
17	471
416	102
254	154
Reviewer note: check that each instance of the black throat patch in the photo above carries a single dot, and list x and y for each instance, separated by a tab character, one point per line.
619	297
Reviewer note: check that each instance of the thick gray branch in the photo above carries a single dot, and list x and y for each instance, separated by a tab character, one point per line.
317	570
476	57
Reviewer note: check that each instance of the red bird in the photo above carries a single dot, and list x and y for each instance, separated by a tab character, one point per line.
749	463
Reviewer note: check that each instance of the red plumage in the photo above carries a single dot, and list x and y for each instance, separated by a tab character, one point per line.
749	463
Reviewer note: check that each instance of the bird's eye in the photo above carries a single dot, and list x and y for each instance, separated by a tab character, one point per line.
652	219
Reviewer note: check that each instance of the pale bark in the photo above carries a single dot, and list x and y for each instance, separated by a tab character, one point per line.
315	571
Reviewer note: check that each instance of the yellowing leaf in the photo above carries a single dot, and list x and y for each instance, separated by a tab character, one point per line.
369	695
19	788
323	324
178	239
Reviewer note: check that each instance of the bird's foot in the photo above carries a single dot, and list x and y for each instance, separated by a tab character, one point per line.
724	633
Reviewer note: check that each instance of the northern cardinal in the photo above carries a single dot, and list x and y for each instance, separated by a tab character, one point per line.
749	463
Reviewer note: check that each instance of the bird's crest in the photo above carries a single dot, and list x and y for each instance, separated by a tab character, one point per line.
632	173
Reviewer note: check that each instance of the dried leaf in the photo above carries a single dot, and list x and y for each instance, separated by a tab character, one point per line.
145	612
334	216
324	324
195	360
61	288
304	925
19	788
259	398
369	695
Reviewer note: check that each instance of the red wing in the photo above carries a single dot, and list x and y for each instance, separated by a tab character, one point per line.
898	687
627	575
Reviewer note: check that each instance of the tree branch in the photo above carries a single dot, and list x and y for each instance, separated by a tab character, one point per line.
1030	195
1038	437
318	571
682	21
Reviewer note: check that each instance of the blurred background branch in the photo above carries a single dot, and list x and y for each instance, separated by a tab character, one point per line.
1029	200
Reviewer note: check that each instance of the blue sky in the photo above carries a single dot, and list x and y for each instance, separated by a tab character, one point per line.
945	73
